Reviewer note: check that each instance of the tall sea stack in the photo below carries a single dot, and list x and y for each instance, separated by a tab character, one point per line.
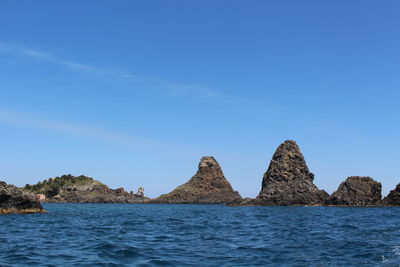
207	186
288	180
357	191
15	200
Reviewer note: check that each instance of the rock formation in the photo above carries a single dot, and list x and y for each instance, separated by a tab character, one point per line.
15	200
393	199
357	191
207	186
288	180
82	189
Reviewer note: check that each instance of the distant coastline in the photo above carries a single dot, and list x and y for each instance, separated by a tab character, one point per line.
287	182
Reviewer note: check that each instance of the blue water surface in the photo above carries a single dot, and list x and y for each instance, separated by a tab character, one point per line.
200	235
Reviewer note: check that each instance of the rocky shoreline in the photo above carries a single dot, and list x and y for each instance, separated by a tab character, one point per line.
287	182
15	200
82	189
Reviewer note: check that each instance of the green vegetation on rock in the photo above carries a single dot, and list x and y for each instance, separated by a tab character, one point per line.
81	189
52	186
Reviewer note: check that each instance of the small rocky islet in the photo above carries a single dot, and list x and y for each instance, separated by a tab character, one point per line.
207	186
287	182
357	191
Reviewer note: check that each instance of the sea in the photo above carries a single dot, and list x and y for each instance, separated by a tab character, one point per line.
200	235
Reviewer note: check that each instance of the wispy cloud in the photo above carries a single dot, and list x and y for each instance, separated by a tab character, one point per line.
167	87
172	87
76	66
120	139
33	121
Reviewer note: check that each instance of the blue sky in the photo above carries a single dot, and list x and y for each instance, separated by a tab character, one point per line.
134	93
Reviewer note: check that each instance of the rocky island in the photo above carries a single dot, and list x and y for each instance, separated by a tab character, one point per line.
207	186
15	200
393	198
288	180
357	191
82	189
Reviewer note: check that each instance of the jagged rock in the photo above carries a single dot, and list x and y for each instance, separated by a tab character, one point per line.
357	191
288	180
82	189
207	186
15	200
393	198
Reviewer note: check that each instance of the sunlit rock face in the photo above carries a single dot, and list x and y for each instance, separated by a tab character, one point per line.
207	186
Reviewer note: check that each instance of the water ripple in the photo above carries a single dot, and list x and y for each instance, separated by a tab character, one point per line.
200	235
